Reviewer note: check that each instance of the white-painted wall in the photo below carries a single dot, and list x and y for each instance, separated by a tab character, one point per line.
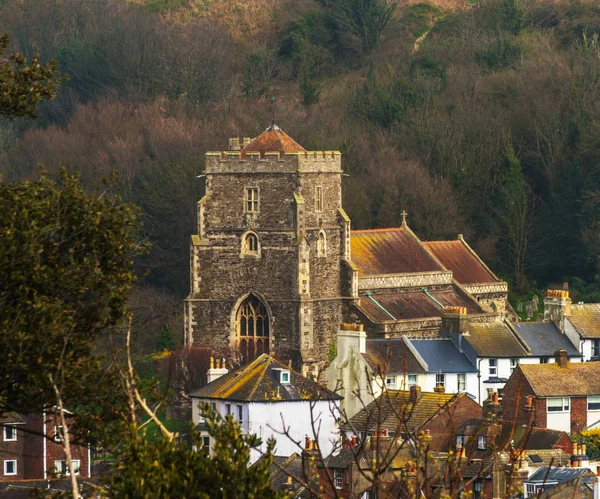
586	349
559	421
574	337
266	419
593	417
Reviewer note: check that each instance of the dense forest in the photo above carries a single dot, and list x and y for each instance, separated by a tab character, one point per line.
481	118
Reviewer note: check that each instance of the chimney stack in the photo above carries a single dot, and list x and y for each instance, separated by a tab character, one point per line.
492	409
415	394
439	389
216	370
351	336
557	304
561	357
455	320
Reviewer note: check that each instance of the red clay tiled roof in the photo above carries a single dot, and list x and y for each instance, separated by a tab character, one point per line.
389	251
273	139
455	256
415	305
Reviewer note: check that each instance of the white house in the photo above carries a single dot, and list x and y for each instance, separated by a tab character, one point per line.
362	367
265	397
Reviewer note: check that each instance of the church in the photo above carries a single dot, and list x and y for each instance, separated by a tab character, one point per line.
275	267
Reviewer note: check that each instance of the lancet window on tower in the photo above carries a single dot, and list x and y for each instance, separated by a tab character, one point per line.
252	323
321	244
250	243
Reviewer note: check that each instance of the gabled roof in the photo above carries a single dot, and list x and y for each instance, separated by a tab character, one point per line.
441	355
273	139
382	413
551	380
557	474
415	305
494	339
544	338
585	318
456	256
390	251
259	381
399	358
12	418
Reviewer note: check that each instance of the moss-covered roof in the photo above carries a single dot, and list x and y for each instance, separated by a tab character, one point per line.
551	380
260	381
585	318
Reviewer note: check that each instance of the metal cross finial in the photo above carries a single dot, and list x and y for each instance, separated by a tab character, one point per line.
403	217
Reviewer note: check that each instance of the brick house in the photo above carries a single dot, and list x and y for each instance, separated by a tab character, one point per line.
31	449
561	395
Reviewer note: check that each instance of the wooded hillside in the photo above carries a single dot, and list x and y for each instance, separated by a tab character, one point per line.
481	119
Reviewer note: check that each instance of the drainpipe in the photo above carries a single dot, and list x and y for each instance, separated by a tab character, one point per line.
432	298
479	380
370	297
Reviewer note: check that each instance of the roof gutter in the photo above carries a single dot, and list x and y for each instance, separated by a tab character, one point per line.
432	298
370	297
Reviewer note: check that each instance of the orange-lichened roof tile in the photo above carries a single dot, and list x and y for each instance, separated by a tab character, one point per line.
414	305
389	251
465	267
585	318
273	139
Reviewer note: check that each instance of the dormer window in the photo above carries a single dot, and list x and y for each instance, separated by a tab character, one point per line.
251	201
284	377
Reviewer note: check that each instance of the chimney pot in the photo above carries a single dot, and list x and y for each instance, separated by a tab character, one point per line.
495	397
598	470
575	448
306	442
415	393
354	440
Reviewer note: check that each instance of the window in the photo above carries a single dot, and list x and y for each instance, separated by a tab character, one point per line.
481	442
61	467
227	408
558	404
319	198
338	477
240	413
440	380
321	245
513	365
390	382
461	440
10	467
461	382
543	360
10	433
206	445
252	200
253	329
214	407
250	244
530	489
493	368
412	380
596	348
285	376
594	403
58	433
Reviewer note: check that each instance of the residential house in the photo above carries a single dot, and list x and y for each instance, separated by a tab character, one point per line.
408	412
561	395
266	397
546	478
31	448
362	367
543	339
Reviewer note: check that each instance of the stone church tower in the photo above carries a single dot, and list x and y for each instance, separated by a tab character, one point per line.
270	266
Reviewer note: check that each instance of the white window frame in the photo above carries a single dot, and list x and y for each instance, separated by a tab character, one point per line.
240	413
461	380
319	198
61	468
493	368
514	363
338	478
390	382
411	380
595	400
13	433
206	444
284	377
227	409
596	347
252	200
6	473
544	360
481	442
58	433
440	380
461	440
565	407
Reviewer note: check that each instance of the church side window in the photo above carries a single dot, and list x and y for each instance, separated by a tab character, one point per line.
319	198
251	200
250	244
252	328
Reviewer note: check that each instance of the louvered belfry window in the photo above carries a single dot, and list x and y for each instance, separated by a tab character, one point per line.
252	329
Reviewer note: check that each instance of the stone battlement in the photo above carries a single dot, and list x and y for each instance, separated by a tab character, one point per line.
217	162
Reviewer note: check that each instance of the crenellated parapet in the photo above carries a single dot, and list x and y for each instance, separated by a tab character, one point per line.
236	162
